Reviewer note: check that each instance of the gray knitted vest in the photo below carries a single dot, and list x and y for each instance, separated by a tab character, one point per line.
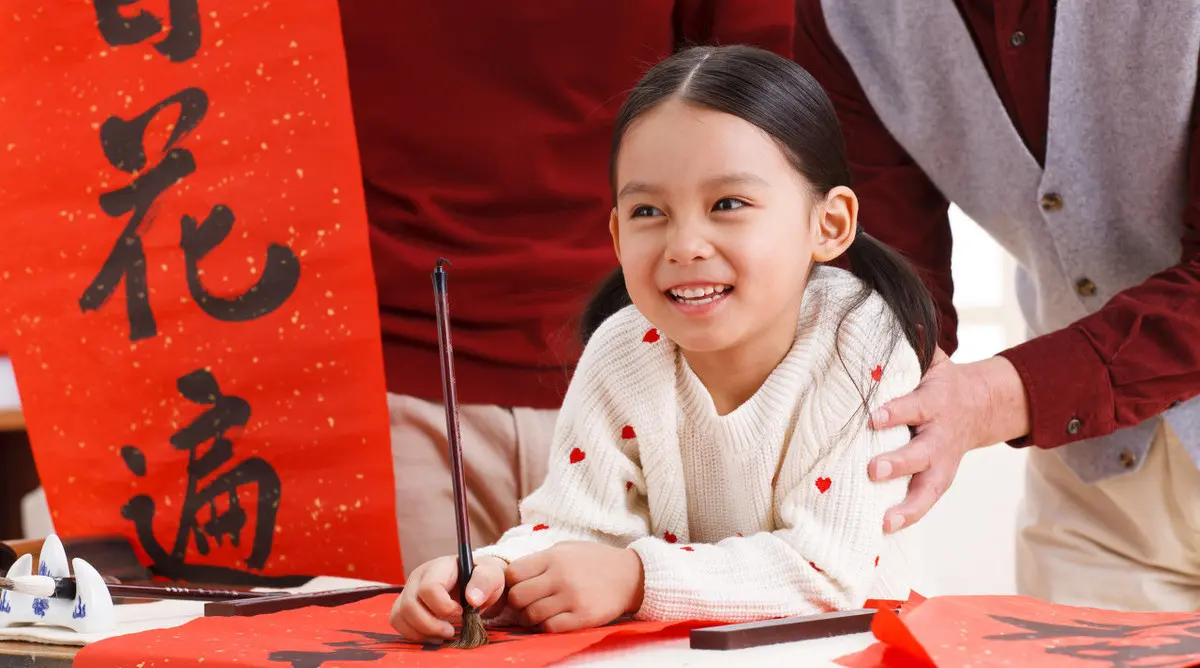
1106	209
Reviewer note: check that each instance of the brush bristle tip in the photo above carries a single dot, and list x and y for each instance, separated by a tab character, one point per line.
473	634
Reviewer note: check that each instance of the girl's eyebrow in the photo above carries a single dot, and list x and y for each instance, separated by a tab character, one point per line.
638	188
731	179
736	179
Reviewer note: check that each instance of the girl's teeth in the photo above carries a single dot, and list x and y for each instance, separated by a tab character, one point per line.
700	295
694	293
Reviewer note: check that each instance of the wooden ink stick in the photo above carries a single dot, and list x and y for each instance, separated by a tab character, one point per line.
789	629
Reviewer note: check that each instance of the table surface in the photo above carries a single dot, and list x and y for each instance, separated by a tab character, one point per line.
11	418
23	654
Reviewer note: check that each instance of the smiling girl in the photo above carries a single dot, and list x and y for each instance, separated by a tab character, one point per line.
710	459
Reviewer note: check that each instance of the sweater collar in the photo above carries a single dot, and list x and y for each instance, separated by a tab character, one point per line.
770	409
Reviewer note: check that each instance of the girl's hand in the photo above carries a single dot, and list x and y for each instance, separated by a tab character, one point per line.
430	597
575	585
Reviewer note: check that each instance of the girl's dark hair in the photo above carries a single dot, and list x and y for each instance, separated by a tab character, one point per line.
785	101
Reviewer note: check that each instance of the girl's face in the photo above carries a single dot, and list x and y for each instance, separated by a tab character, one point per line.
715	230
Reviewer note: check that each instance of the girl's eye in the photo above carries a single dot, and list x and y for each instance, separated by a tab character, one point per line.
728	204
646	211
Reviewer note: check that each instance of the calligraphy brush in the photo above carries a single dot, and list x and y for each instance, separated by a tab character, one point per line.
44	586
473	633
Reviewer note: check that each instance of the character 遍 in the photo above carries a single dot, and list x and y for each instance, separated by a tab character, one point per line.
226	413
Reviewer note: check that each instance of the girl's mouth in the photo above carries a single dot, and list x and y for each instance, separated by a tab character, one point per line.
698	295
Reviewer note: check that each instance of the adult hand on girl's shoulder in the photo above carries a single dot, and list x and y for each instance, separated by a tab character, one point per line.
430	596
955	408
575	585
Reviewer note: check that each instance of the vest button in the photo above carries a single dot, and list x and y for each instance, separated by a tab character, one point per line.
1017	39
1051	202
1085	287
1073	426
1127	458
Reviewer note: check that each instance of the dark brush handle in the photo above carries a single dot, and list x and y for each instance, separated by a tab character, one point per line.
450	399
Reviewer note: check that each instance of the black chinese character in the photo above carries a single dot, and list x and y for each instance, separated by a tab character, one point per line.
181	43
374	646
317	659
226	413
279	277
1117	645
122	142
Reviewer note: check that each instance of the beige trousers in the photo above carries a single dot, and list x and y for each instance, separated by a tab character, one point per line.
1127	543
505	453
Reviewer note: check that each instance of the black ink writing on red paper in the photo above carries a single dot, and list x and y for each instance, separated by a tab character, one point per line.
202	521
125	28
1114	645
277	283
373	646
123	142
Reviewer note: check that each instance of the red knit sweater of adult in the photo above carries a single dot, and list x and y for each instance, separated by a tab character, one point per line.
484	130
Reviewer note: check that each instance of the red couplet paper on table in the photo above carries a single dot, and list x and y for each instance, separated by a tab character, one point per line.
995	631
347	635
186	284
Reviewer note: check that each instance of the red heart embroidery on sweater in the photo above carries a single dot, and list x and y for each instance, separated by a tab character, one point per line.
577	455
669	537
877	373
687	548
540	527
627	432
823	484
740	534
876	561
651	336
628	485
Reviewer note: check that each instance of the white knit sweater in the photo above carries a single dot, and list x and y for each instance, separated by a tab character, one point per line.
764	512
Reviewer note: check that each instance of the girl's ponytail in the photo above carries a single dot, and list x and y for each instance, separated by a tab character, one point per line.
610	297
883	270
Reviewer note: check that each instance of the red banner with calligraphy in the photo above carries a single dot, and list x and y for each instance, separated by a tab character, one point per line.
353	634
1004	631
186	285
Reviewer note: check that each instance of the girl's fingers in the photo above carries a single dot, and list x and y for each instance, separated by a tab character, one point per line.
539	611
437	600
563	622
527	592
424	623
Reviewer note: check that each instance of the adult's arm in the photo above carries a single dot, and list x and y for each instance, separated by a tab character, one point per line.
1127	362
898	203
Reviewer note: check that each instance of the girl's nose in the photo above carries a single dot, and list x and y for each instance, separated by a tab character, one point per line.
688	242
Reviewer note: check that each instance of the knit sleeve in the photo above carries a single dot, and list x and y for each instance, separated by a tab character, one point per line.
824	554
593	477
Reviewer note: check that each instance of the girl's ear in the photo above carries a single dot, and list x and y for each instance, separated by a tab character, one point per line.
615	230
836	225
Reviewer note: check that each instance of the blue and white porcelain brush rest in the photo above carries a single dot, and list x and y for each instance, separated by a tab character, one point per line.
91	611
